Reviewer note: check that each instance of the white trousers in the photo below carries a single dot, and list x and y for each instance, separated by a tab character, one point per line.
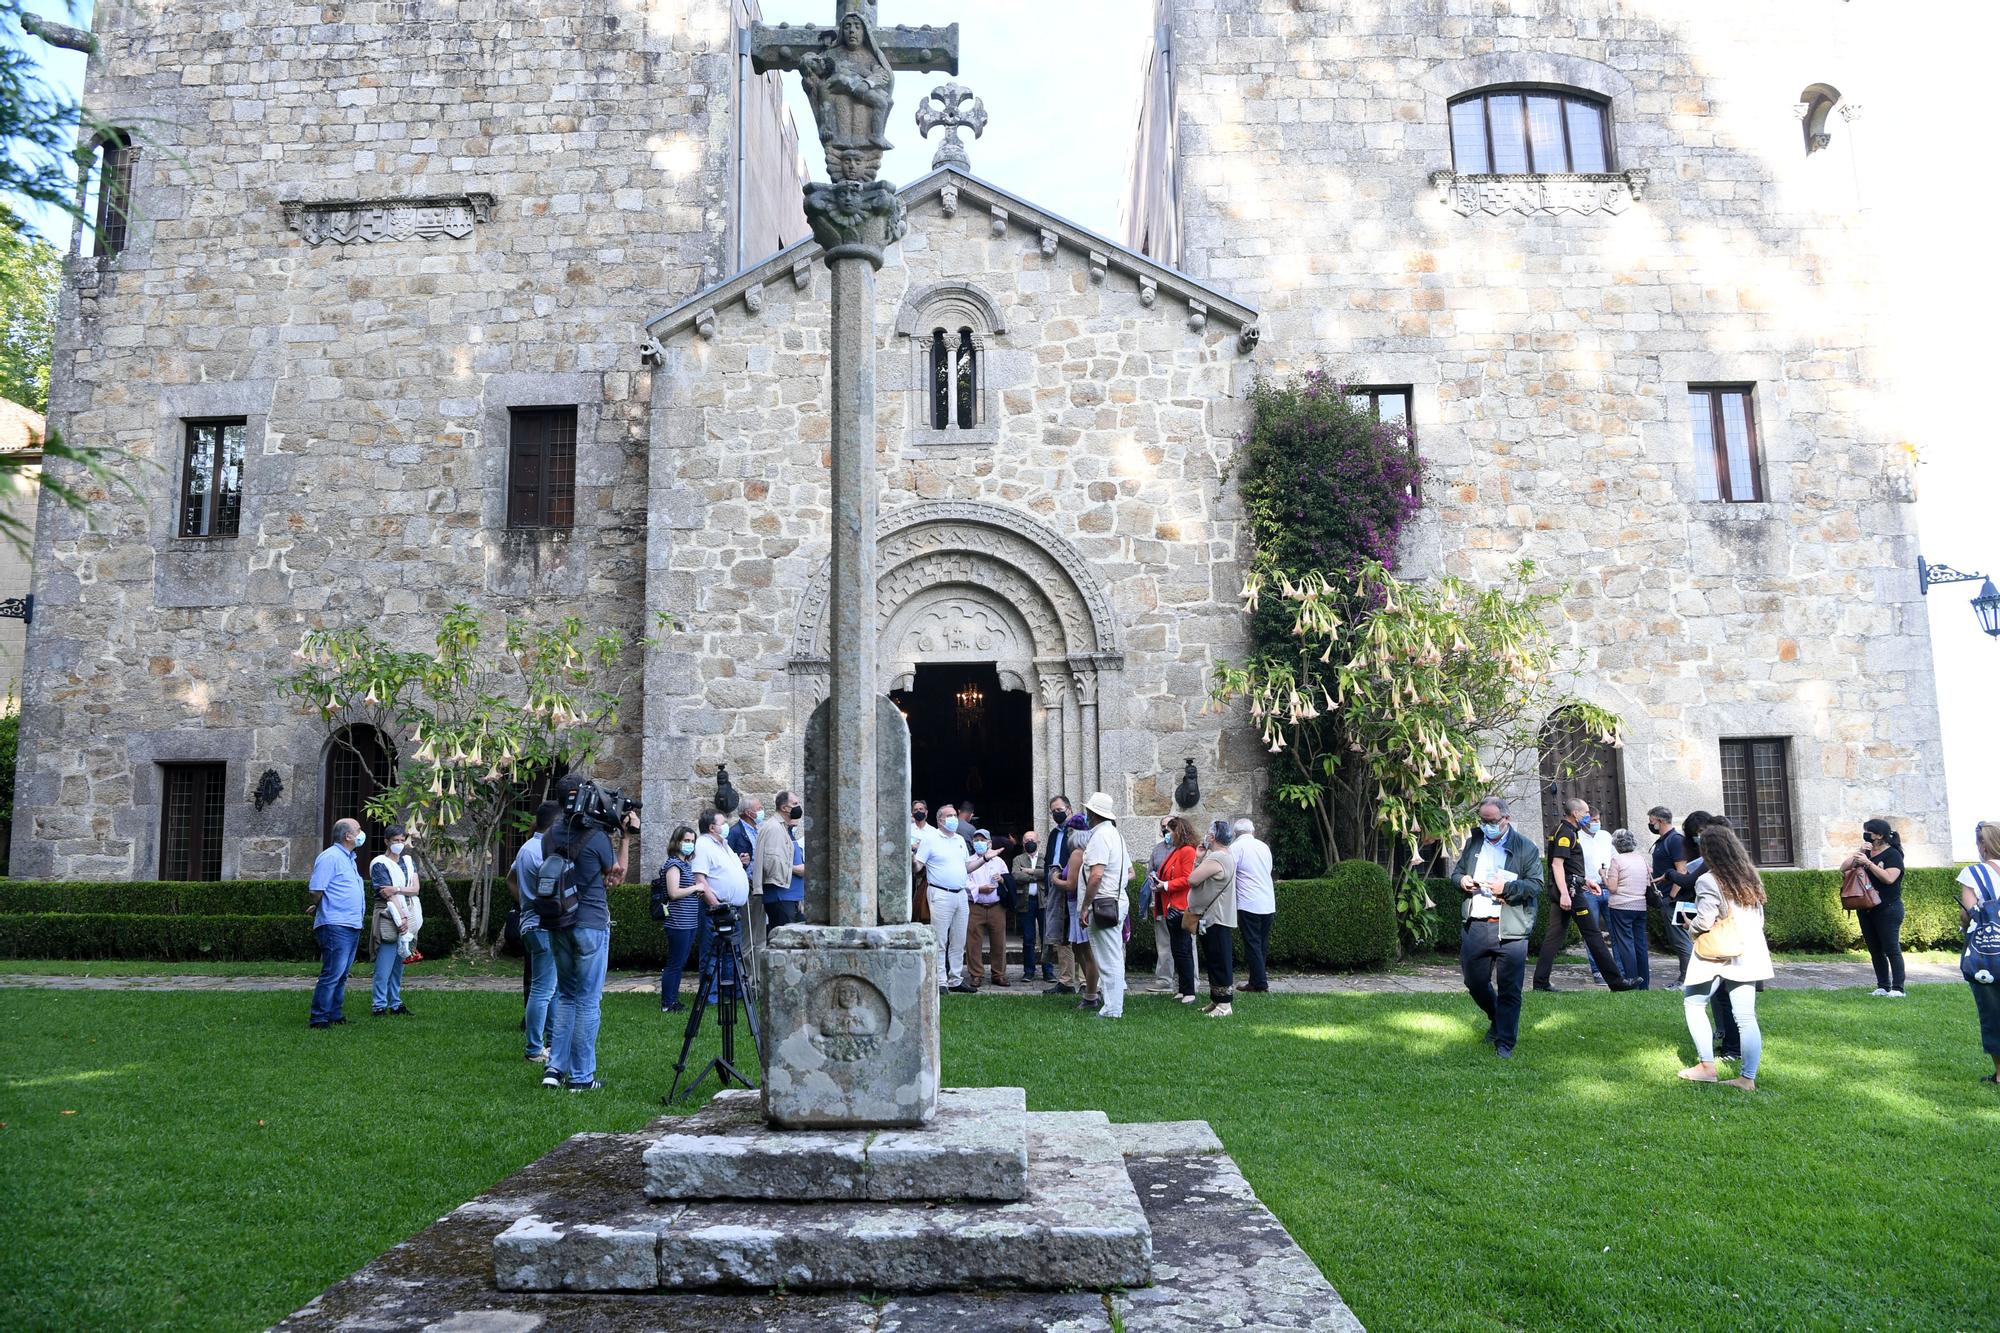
1108	948
1163	964
948	916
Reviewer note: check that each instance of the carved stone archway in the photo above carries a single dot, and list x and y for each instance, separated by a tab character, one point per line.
961	581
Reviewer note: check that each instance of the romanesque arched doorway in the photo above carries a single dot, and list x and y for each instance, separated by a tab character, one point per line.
989	624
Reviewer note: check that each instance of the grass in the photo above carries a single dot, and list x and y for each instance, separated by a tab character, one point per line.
203	1160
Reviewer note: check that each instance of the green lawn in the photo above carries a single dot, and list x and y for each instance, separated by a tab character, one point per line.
206	1161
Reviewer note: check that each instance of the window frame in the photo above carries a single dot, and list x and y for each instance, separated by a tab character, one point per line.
346	779
1748	824
1374	394
543	511
212	500
111	215
212	789
1719	441
1565	94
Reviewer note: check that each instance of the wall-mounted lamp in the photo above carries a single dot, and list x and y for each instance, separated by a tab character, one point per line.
1986	605
1188	795
727	798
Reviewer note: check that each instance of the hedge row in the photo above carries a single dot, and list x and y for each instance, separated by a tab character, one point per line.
1802	912
156	938
1344	922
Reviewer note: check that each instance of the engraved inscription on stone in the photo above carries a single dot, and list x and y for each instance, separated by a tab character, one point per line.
853	1018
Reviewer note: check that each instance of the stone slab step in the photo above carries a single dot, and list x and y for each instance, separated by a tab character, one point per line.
976	1147
1079	1225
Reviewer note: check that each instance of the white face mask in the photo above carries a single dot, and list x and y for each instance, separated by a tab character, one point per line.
396	848
361	838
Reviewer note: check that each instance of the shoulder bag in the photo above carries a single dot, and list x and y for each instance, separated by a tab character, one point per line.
1104	913
1857	890
1981	961
1721	942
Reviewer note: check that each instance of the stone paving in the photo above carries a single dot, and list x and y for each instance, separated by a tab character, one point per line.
1421	979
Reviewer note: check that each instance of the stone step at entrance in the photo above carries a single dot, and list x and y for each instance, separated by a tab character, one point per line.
975	1148
1079	1223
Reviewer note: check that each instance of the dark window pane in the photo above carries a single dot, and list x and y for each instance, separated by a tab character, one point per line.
114	192
229	479
967	381
559	470
1510	134
360	764
1736	431
1468	137
940	380
212	479
191	821
1757	797
541	467
1586	135
1545	134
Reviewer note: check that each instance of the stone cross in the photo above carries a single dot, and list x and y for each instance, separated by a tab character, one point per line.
947	106
864	957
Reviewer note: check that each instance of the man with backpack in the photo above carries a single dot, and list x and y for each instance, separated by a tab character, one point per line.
572	903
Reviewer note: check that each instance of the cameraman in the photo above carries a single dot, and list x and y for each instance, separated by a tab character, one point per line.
722	878
582	950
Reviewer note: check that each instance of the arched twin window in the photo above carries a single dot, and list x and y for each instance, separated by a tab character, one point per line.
1530	131
953	379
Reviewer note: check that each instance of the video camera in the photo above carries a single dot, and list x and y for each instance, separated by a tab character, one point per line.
722	919
601	806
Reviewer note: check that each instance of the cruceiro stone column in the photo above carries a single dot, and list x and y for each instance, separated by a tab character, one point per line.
851	1005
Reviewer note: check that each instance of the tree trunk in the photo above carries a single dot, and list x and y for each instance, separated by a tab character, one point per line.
428	869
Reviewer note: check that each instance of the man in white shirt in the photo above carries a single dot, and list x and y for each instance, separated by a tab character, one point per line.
1256	900
720	875
1107	871
942	855
987	933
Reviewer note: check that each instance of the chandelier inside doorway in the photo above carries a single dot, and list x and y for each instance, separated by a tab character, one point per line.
969	697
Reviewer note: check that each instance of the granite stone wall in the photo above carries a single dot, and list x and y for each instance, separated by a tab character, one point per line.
374	356
1550	331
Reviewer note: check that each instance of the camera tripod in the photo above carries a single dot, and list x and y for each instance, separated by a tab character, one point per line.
722	973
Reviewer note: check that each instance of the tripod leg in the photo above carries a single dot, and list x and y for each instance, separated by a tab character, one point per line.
707	978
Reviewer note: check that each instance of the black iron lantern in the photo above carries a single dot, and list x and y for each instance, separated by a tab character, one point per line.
1188	795
726	796
1987	607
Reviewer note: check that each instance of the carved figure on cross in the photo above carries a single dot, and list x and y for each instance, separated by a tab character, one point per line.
849	75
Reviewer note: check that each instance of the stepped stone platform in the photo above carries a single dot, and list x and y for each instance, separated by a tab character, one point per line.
1219	1260
1078	1224
976	1148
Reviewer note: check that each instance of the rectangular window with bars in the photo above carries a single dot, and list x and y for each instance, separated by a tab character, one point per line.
1727	466
1757	796
212	478
114	193
1390	403
191	820
541	467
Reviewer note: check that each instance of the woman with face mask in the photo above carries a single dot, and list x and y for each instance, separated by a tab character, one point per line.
1881	857
675	892
1066	882
393	874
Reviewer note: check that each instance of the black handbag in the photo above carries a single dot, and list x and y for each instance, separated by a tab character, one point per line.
1103	913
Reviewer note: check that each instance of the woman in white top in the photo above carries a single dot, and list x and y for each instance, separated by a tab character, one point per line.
1729	890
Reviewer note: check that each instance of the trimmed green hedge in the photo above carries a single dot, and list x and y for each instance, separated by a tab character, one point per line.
156	938
1802	912
1344	922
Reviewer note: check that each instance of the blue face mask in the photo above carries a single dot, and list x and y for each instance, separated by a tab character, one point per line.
979	846
1493	831
1587	823
951	823
361	838
687	847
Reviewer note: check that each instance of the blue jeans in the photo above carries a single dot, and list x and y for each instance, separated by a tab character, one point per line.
1628	946
387	993
680	943
336	954
581	956
1030	914
541	989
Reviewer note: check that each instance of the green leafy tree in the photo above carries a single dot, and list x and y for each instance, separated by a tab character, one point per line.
1399	704
482	728
30	277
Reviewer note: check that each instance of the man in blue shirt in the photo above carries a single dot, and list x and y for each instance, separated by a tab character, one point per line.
581	953
339	905
540	998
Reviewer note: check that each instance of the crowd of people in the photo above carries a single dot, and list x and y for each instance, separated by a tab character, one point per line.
1063	891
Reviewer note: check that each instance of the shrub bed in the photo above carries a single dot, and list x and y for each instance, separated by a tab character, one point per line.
1344	922
1802	912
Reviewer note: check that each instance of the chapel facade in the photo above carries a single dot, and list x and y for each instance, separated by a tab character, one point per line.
508	304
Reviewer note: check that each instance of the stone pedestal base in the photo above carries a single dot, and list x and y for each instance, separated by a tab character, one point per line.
850	1026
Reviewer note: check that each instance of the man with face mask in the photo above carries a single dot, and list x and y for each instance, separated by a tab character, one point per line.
986	928
1055	905
1500	875
339	903
943	856
1574	881
1027	868
1149	906
781	864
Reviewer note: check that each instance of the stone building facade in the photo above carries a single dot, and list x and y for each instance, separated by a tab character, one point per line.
362	235
381	243
1560	334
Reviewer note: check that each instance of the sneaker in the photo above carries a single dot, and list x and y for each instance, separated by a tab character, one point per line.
1544	986
552	1077
538	1058
401	1012
593	1086
1504	1052
378	1013
962	989
1218	1011
1113	1017
1060	989
317	1023
1189	999
1897	995
1879	990
1088	1005
675	1008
